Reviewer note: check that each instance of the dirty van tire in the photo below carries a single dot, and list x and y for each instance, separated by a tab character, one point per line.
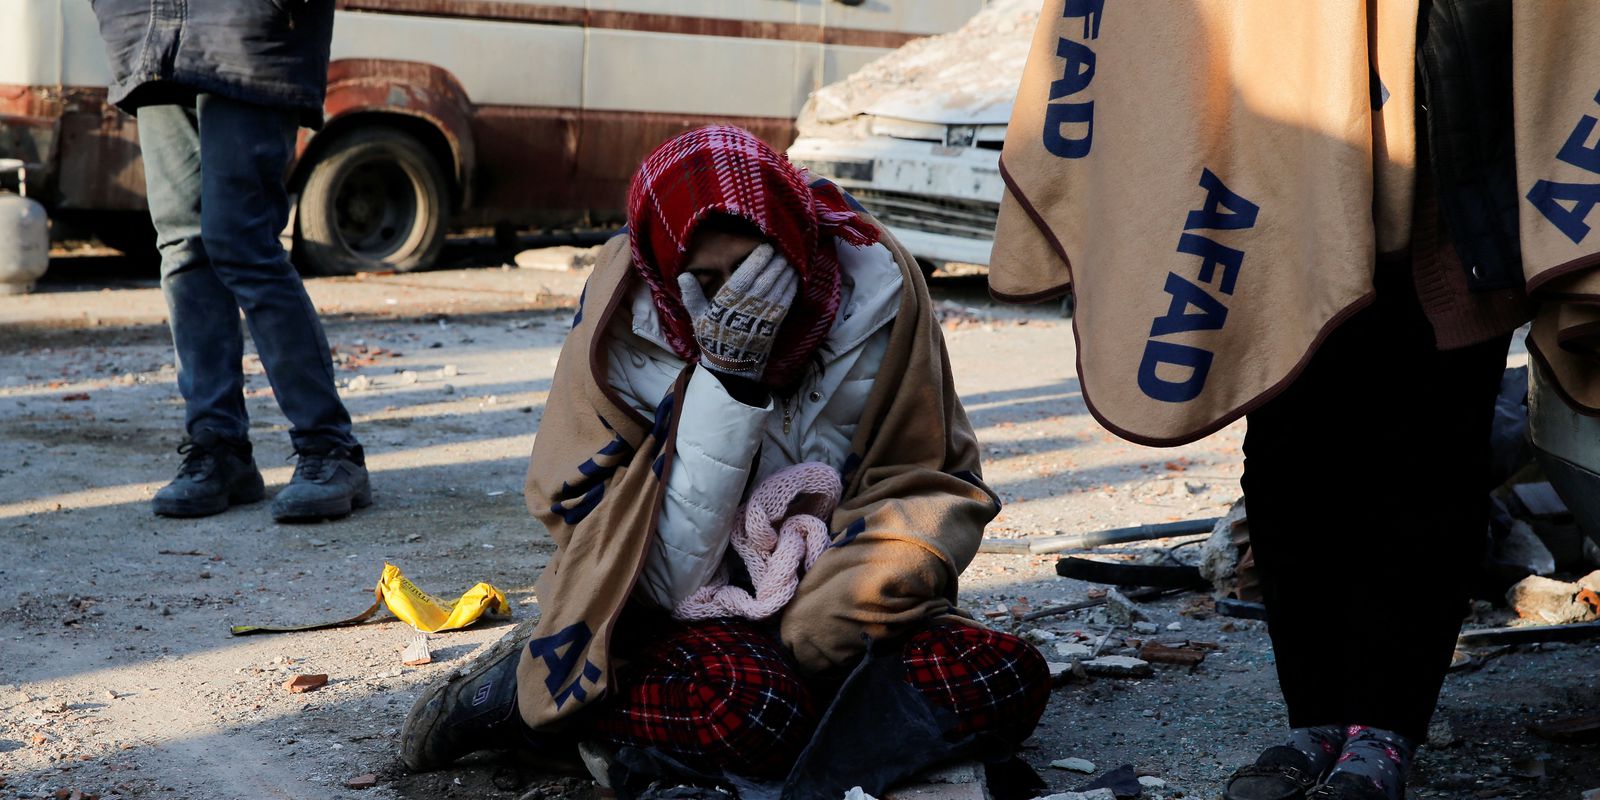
375	201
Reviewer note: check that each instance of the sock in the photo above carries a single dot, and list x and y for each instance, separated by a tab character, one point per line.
1320	745
1377	756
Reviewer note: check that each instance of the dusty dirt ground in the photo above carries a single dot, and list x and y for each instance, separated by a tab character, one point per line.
118	677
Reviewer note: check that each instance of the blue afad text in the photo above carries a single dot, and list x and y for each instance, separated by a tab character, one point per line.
1173	372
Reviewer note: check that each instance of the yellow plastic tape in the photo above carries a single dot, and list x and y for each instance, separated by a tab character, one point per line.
410	604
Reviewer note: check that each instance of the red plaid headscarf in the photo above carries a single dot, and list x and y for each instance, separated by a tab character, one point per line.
727	170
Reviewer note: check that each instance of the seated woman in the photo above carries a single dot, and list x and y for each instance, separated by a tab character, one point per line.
754	465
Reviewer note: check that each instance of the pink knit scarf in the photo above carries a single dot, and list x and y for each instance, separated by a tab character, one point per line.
774	557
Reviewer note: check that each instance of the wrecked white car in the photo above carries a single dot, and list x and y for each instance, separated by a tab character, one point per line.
915	136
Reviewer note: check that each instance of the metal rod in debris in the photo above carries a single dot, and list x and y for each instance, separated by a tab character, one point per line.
1073	541
1530	634
1138	596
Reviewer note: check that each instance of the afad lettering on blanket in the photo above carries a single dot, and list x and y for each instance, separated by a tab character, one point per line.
1176	373
561	652
1069	126
1549	196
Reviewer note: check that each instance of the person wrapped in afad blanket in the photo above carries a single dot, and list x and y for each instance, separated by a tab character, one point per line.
755	468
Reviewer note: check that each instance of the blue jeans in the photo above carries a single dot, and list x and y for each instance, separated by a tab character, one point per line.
217	230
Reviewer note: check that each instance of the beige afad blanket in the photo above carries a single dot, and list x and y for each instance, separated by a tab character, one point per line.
1215	181
1557	106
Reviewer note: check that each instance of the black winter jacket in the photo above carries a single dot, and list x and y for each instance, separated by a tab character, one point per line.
1464	89
268	52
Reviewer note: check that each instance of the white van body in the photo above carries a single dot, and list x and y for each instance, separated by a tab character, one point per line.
535	111
916	135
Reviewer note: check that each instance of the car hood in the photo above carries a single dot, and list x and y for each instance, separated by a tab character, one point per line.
968	77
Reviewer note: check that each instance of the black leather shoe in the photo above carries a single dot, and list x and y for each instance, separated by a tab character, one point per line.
216	473
1344	786
329	481
469	710
1280	773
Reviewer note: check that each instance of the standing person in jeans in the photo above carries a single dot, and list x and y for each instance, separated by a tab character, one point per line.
220	91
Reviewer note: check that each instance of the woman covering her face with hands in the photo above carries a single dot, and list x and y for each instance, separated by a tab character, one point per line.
755	468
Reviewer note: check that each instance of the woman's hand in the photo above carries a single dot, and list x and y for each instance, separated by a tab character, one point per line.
737	328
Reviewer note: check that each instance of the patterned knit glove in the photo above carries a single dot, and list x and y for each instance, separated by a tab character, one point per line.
737	328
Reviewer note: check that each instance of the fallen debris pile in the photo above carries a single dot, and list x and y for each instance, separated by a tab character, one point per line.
1543	601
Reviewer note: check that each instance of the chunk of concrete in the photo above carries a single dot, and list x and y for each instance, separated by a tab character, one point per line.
416	652
1118	667
1082	765
1442	734
1551	602
1096	794
557	259
1121	611
1074	650
962	780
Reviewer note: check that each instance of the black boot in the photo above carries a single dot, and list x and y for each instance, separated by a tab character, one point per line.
329	481
1280	773
216	473
469	710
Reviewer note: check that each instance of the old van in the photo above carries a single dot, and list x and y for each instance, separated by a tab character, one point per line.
445	113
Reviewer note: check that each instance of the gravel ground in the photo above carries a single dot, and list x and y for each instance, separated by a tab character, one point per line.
118	677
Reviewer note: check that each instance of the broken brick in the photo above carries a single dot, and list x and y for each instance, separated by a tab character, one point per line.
305	683
1158	653
366	781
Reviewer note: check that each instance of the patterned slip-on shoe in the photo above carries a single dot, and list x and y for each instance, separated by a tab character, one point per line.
1280	773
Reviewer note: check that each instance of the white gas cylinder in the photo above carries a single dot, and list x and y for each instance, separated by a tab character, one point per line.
24	236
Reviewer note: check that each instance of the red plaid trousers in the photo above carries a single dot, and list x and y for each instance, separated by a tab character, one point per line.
721	694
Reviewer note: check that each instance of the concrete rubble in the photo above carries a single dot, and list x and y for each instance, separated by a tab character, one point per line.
965	73
1095	794
558	259
1544	601
960	781
1118	667
1122	611
1082	765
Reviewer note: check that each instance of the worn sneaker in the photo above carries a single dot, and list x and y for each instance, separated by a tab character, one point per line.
1280	773
329	481
469	710
216	473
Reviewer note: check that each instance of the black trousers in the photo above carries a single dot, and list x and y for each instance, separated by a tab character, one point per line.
1366	484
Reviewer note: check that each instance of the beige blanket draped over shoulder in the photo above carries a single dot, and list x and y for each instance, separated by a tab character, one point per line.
912	514
1557	107
1215	181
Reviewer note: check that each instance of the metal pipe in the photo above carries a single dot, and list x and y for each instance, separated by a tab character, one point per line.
1074	541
